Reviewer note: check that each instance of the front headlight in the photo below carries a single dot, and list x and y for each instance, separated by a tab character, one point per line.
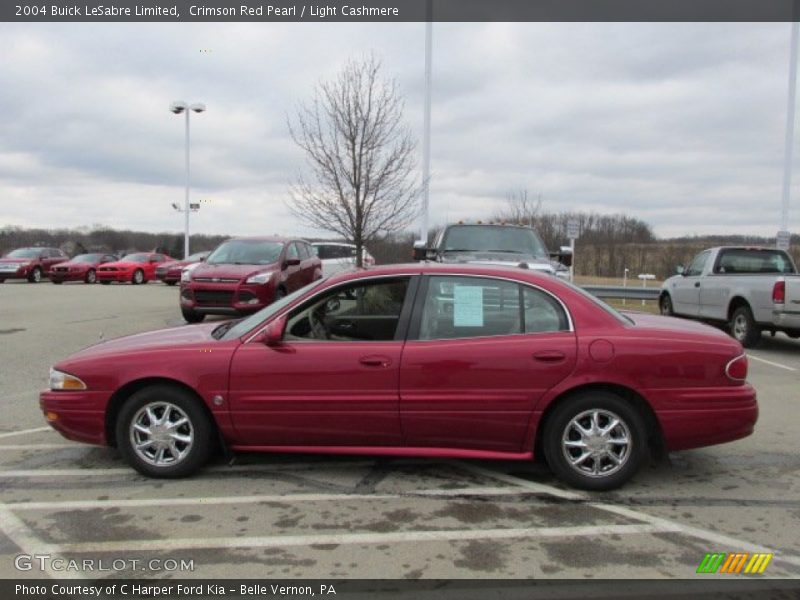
260	277
64	381
186	275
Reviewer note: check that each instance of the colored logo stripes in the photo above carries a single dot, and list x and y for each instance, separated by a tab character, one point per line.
735	563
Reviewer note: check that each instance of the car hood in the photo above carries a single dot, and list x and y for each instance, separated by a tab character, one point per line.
228	271
172	337
17	261
499	258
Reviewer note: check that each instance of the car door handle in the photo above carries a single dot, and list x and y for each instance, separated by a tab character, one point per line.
696	284
549	356
375	360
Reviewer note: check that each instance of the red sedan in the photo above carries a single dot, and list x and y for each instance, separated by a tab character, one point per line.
81	268
441	360
139	267
170	272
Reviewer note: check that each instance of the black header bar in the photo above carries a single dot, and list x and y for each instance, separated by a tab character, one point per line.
397	10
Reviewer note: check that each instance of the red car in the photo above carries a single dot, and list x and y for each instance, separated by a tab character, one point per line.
30	263
243	275
81	268
441	360
170	272
139	267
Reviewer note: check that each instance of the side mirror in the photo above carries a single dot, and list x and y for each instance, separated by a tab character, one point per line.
420	252
680	270
564	256
291	262
273	334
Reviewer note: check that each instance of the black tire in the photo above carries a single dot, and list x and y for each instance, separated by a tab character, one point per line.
137	277
743	327
199	428
105	282
35	276
170	282
2	280
56	281
665	306
191	316
279	293
580	408
91	276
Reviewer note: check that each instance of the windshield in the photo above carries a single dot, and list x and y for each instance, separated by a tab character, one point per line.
237	328
197	256
24	253
87	258
135	258
493	238
245	252
609	309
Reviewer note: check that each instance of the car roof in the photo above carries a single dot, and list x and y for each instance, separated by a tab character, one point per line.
433	268
264	238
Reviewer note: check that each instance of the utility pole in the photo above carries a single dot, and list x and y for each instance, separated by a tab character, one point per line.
426	136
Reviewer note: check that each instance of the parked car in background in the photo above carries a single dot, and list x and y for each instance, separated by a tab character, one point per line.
80	268
243	275
30	263
170	272
749	289
138	267
495	244
467	361
336	256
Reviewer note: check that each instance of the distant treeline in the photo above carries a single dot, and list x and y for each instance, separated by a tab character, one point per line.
607	245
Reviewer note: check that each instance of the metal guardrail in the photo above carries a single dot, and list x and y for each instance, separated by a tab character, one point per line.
618	291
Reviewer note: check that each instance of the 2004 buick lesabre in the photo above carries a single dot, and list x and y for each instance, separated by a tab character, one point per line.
470	361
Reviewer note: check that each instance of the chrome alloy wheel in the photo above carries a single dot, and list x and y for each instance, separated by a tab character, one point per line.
740	327
596	443
161	434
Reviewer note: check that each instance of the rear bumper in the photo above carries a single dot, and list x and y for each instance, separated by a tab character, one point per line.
79	416
786	319
707	417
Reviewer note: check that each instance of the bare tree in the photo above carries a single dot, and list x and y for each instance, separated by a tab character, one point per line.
360	155
520	208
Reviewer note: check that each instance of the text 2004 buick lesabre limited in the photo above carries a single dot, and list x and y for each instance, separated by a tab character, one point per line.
414	360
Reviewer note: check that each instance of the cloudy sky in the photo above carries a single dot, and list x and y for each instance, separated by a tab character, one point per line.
681	125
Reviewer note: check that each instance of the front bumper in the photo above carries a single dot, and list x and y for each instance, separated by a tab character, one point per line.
67	275
19	273
79	416
226	298
171	276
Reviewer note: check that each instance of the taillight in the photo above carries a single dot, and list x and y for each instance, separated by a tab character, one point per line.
779	292
737	368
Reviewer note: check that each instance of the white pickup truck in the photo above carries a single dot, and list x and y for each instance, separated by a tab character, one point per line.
749	289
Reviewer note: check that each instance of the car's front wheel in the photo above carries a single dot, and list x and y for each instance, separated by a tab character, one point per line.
138	277
162	431
665	306
91	276
35	276
191	316
595	441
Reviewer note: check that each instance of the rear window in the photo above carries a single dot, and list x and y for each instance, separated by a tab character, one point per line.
325	251
743	260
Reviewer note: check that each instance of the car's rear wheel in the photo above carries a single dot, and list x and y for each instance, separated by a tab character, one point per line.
162	431
595	441
743	327
138	277
665	306
91	276
191	316
35	276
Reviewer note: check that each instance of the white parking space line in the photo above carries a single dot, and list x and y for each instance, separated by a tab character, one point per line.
364	538
22	535
66	472
9	434
36	446
213	501
771	363
695	532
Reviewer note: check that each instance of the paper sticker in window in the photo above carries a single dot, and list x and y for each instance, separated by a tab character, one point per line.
467	306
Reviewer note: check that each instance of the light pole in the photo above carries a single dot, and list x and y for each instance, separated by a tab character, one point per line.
179	107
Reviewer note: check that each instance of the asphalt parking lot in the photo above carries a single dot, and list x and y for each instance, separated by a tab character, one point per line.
342	517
